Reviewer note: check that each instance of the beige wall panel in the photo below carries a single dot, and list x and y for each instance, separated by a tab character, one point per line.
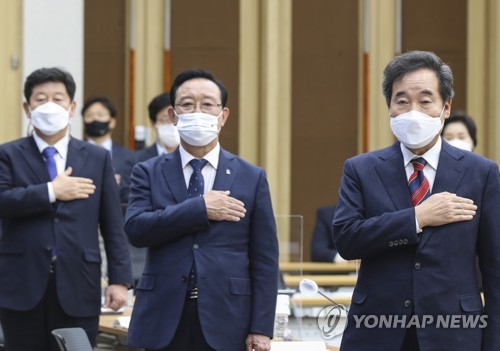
104	61
442	28
205	34
324	103
10	71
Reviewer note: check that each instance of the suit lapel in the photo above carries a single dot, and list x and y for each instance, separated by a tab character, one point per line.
392	174
171	169
449	174
77	155
34	160
226	171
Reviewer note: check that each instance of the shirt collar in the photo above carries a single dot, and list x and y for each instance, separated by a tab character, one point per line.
431	156
160	149
212	157
107	144
61	146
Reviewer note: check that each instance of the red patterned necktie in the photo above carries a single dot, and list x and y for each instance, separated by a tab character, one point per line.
418	183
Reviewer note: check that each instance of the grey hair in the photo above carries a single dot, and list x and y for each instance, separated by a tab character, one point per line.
415	60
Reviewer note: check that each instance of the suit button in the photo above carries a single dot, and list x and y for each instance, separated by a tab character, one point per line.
396	243
405	241
196	246
391	244
417	265
56	220
408	303
48	247
400	241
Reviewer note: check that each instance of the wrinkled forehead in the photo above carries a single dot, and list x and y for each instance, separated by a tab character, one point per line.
198	88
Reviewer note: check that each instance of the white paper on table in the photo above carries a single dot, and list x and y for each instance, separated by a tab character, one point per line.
122	322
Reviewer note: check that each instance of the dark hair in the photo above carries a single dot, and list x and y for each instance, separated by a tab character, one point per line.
415	60
100	100
44	75
460	116
157	104
194	74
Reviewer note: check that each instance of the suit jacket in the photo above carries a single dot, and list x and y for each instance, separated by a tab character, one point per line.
322	247
146	153
432	273
31	225
236	262
123	161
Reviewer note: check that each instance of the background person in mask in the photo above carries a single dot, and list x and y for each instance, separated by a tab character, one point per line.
416	213
55	191
167	136
99	120
460	131
205	215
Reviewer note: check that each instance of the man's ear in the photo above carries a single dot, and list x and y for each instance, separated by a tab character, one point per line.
447	109
171	114
27	110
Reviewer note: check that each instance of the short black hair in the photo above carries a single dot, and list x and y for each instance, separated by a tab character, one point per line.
101	100
460	116
52	74
194	74
412	61
157	104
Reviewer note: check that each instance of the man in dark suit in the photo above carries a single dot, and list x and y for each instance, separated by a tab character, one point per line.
54	193
100	118
167	136
205	215
416	213
322	247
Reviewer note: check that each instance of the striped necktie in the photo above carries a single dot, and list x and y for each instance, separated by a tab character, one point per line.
418	183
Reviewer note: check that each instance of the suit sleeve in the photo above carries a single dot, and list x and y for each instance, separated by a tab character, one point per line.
355	235
488	249
322	247
111	225
147	226
264	264
20	201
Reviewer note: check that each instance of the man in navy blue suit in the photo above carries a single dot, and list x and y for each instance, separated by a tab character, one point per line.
205	215
416	213
99	120
55	191
167	136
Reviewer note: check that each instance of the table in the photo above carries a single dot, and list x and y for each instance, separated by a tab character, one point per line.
106	323
322	280
323	267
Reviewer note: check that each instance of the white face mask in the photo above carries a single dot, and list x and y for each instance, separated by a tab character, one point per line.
461	144
50	118
415	129
198	128
168	135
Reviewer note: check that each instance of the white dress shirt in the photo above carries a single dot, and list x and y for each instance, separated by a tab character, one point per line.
430	169
208	171
60	157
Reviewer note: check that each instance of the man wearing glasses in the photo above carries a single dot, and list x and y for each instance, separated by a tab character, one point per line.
205	215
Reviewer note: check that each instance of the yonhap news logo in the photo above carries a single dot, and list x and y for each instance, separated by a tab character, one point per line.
332	321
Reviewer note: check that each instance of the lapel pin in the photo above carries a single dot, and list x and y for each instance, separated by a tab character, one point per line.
228	171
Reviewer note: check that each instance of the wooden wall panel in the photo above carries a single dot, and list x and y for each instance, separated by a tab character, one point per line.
205	34
324	103
441	28
105	52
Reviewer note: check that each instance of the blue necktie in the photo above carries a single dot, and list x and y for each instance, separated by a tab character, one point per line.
49	153
196	182
195	188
